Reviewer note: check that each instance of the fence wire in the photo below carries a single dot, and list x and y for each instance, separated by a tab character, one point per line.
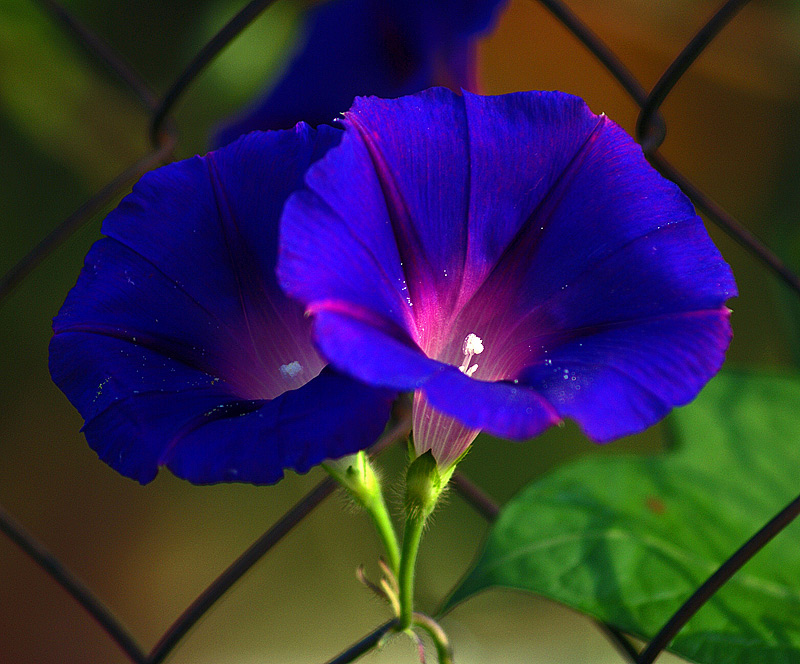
651	130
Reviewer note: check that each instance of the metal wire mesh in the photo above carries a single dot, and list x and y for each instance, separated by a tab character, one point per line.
650	132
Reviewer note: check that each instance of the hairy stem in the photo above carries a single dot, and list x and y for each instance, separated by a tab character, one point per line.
408	561
383	523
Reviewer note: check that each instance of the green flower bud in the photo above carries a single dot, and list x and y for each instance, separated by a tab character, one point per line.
356	474
424	484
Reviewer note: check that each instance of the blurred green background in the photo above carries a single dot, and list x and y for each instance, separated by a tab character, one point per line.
66	128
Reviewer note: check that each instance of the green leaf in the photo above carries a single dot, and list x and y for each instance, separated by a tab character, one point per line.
628	539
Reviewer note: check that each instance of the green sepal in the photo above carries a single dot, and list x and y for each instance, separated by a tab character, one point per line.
356	474
424	485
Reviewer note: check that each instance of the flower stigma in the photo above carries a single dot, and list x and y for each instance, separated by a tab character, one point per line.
473	345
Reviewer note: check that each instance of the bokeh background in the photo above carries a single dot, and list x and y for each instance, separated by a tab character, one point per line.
66	128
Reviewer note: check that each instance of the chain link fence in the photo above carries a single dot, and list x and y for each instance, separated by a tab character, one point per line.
651	130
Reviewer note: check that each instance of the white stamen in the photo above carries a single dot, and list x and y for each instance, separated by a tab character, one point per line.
291	370
473	345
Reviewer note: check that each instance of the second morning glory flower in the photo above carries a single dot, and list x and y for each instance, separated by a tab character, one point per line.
387	48
513	260
177	346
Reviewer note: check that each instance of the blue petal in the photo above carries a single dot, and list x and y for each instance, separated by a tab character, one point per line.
144	409
373	352
122	297
201	221
327	418
177	345
528	221
621	380
589	195
401	239
387	48
209	437
500	408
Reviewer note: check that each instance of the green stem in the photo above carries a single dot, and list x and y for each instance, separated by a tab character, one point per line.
356	475
383	524
440	641
412	535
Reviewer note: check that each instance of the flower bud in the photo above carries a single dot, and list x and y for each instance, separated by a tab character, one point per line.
424	485
356	474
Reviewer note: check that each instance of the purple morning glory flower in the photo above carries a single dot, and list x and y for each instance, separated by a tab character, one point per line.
387	48
177	346
514	260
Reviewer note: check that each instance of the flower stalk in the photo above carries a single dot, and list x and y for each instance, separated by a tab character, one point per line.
412	535
424	485
356	474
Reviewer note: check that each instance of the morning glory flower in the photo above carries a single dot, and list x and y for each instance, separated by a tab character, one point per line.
513	260
177	346
387	48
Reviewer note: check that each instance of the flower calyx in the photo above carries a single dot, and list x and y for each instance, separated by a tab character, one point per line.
425	482
356	474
